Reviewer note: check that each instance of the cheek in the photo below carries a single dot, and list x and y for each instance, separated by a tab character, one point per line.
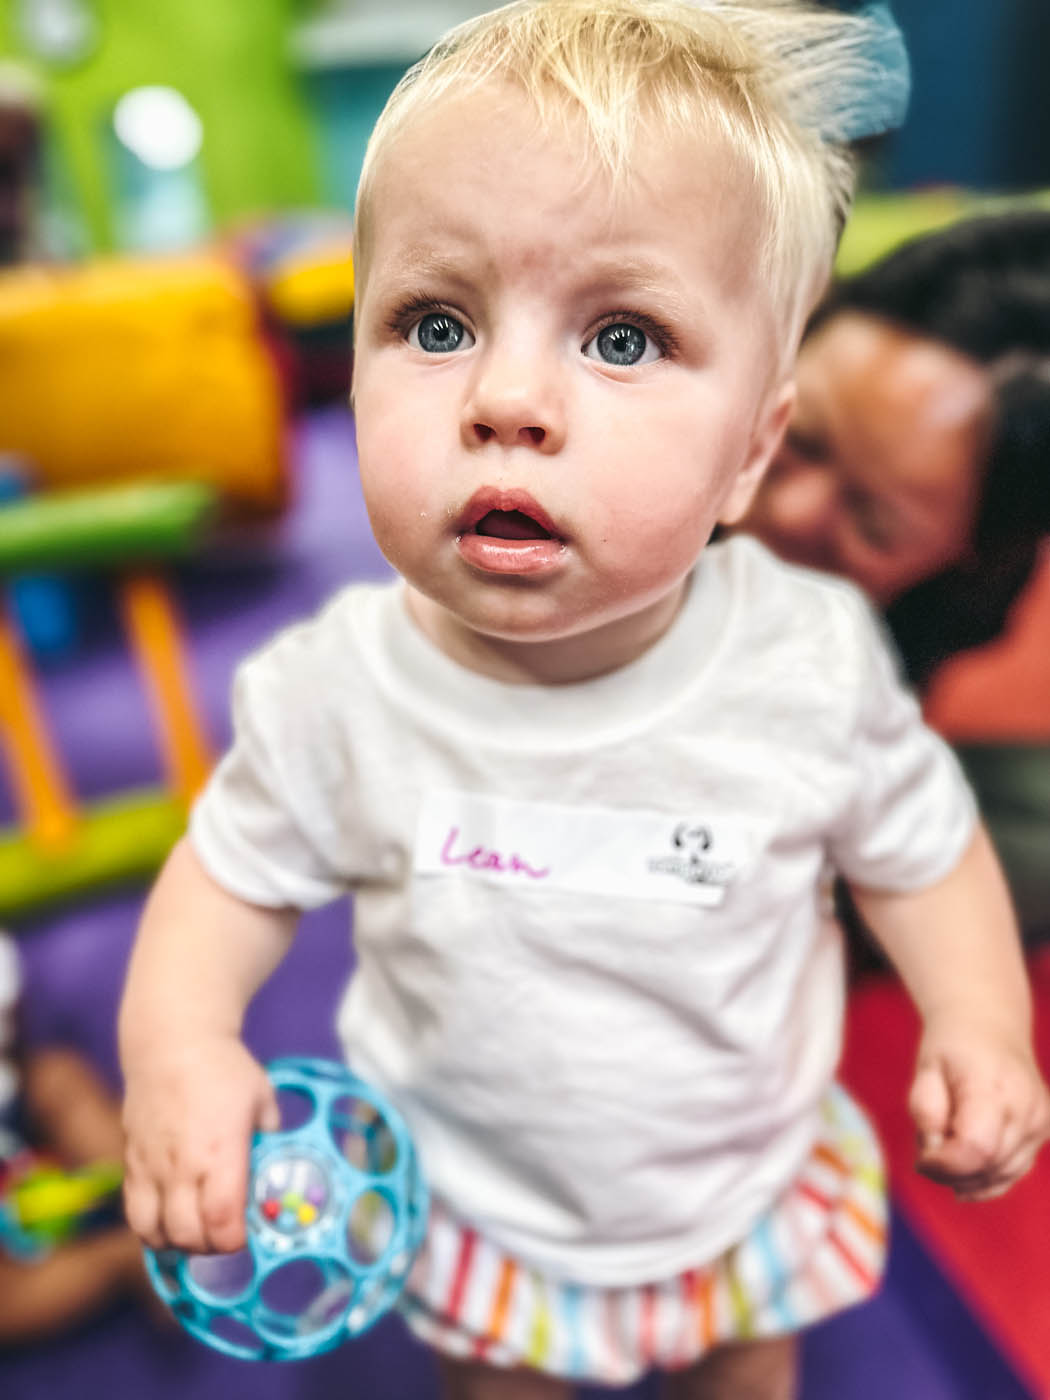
654	529
393	452
390	491
406	421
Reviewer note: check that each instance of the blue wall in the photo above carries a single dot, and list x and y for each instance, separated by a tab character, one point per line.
980	113
979	117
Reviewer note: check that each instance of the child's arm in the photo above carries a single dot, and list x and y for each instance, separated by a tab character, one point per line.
979	1102
41	1297
71	1110
193	1092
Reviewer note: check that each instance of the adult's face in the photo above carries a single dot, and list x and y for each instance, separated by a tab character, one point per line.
879	474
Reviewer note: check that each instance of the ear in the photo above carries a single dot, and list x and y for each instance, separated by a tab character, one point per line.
768	433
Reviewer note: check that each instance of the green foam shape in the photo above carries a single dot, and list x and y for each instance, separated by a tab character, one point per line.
121	839
104	527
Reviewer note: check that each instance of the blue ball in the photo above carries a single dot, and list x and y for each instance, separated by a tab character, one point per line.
337	1212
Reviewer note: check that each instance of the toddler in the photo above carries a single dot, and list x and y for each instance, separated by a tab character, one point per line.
56	1111
587	780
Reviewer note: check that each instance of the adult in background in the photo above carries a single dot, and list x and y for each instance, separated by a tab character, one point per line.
917	464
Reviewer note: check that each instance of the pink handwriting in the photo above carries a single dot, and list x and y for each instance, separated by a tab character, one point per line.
478	858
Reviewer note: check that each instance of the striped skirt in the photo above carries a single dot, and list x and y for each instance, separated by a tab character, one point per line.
819	1249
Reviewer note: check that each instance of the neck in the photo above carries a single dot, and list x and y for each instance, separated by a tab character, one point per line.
550	661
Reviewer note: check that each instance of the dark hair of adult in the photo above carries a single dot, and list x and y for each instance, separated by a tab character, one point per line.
981	287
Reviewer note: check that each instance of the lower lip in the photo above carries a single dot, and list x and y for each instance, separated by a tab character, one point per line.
496	556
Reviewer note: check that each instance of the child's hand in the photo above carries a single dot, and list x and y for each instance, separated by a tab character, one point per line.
980	1106
189	1113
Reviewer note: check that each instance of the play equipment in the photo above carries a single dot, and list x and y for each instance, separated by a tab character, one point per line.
61	847
302	269
336	1214
41	1205
40	787
137	396
123	370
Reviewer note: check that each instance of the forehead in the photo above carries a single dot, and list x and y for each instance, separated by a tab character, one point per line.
902	411
488	169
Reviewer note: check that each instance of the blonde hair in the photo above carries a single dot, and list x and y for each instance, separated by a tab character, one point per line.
775	80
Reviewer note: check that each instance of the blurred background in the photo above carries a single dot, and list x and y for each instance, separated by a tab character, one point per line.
163	123
178	478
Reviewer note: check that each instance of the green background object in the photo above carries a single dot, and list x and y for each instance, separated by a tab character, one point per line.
104	528
228	58
119	840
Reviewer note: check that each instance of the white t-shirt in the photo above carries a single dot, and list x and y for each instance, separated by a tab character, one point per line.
596	967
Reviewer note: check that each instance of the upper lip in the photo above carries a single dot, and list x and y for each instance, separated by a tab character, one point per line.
490	498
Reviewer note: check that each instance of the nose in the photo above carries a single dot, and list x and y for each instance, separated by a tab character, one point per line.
516	399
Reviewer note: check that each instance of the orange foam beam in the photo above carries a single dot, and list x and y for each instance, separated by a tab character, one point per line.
43	796
156	640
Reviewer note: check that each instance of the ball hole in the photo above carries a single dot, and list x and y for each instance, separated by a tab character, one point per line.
236	1335
370	1228
292	1287
362	1135
301	1298
221	1276
296	1108
327	1307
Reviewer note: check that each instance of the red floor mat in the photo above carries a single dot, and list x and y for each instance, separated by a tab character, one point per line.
996	1252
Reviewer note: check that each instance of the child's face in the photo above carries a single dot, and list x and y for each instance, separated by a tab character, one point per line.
560	386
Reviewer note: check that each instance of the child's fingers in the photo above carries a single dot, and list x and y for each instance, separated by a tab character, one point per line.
981	1119
142	1209
1018	1150
223	1201
224	1186
181	1218
971	1143
930	1105
268	1119
996	1162
989	1185
978	1128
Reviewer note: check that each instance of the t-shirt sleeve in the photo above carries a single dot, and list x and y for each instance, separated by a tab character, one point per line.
266	825
912	813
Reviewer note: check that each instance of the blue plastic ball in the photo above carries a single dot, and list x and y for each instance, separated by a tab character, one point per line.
336	1214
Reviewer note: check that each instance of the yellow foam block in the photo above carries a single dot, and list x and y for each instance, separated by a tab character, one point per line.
141	368
315	290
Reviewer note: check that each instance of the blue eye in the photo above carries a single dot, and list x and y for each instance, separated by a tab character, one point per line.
621	344
438	333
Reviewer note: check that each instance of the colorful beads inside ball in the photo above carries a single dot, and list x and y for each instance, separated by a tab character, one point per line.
336	1215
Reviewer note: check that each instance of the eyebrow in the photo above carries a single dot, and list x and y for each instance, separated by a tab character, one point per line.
633	275
605	276
421	262
639	274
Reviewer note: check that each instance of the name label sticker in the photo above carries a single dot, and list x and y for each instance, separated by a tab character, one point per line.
625	853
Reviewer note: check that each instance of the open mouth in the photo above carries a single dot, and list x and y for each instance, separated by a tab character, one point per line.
511	525
506	515
508	532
